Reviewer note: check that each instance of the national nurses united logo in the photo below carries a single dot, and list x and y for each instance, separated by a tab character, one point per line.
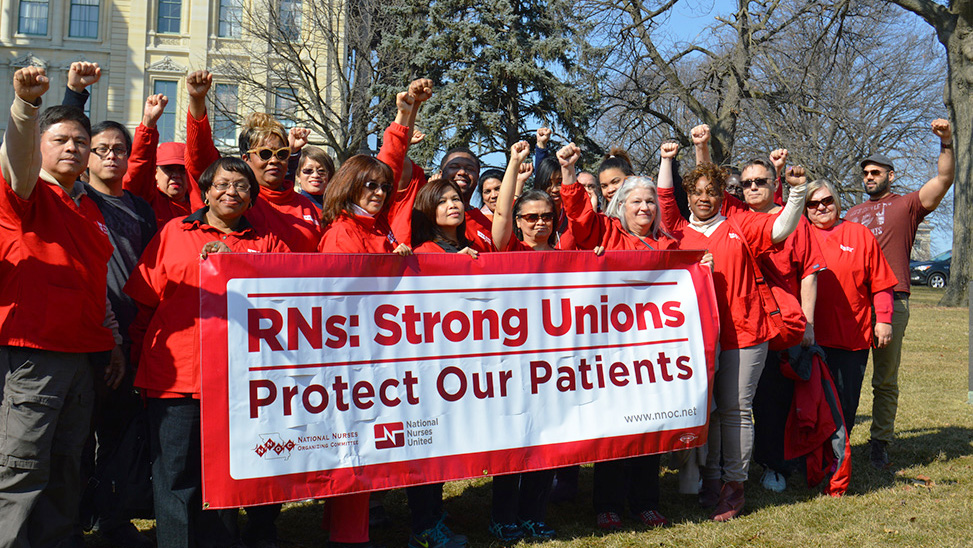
389	435
272	446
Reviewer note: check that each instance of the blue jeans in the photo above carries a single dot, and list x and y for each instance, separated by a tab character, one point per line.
180	519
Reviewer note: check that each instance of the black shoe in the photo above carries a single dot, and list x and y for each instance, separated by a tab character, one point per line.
126	535
878	454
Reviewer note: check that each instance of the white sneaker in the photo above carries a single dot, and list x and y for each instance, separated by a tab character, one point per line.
772	481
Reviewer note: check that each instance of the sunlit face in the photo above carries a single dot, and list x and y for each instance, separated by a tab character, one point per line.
464	170
759	186
229	196
450	212
313	177
172	181
589	183
610	180
373	195
491	191
877	179
64	151
704	200
536	222
108	161
821	209
272	172
640	210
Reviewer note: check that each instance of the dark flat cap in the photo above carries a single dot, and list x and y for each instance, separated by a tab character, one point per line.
879	159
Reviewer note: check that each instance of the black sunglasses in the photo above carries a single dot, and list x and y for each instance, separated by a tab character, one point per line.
813	204
534	217
374	186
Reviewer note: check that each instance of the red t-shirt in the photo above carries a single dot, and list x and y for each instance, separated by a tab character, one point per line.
53	271
857	270
792	260
479	231
165	284
140	179
893	220
358	234
734	243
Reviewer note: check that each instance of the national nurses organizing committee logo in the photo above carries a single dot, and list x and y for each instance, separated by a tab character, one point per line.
389	435
272	446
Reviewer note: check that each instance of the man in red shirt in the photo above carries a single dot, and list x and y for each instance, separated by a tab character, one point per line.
893	219
462	167
54	252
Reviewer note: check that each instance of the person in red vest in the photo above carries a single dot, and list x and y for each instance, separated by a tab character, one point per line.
54	252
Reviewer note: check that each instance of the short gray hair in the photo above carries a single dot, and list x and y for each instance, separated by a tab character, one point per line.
817	184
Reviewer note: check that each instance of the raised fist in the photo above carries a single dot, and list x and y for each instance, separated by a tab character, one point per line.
404	101
543	137
524	172
30	83
700	134
779	159
417	137
297	137
421	89
942	128
155	105
198	83
668	150
83	74
519	151
568	155
796	176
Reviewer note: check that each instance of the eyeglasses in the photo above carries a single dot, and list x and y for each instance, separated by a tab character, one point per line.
308	171
240	186
266	153
813	204
534	217
759	182
102	152
873	172
374	186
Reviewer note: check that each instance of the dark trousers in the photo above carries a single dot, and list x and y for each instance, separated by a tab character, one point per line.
521	497
771	405
426	505
847	368
177	479
636	479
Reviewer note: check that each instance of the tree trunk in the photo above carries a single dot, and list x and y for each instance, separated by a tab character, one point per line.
959	101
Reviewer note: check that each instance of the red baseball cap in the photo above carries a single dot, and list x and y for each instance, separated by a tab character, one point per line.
171	154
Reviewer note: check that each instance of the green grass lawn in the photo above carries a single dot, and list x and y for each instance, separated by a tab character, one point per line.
924	499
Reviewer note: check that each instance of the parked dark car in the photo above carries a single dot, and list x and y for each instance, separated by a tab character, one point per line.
934	273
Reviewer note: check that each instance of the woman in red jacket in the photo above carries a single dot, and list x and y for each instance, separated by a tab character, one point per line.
857	280
745	327
165	284
439	219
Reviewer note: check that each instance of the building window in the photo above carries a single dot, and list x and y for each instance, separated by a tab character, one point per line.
224	111
33	17
167	122
84	19
170	16
285	106
290	19
231	18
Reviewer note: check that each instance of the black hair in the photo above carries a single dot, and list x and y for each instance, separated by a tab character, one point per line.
545	171
459	150
235	165
62	113
492	173
107	125
535	195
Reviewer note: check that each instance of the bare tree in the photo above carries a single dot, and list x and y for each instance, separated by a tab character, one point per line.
953	24
314	63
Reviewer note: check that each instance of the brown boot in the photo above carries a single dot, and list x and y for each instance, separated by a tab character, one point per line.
709	493
730	504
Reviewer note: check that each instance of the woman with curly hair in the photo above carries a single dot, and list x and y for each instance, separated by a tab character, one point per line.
745	326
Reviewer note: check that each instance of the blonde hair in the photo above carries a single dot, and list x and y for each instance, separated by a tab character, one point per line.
817	184
259	127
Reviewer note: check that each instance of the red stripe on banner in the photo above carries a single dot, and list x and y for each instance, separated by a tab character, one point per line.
450	291
457	356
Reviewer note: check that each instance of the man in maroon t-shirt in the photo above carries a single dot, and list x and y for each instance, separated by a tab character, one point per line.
893	220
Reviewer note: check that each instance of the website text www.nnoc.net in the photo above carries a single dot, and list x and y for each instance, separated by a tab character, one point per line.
662	415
